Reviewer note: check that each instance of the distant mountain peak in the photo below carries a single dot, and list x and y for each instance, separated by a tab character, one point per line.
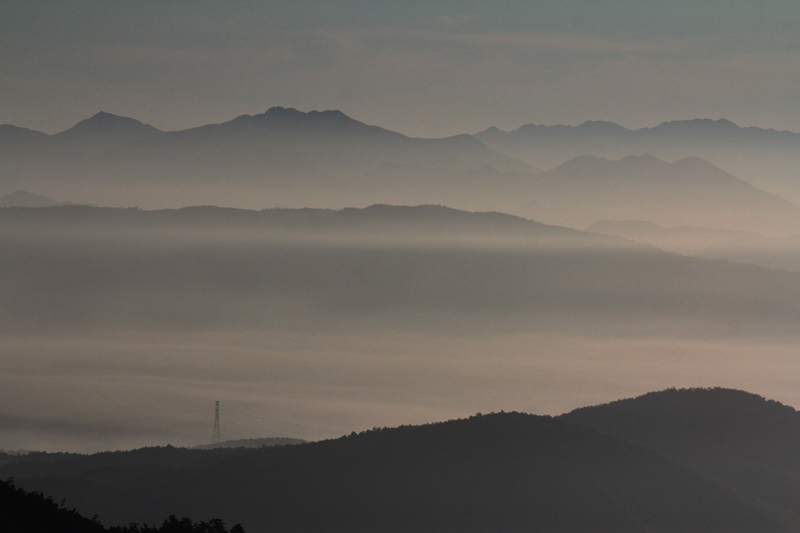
695	163
699	124
645	159
291	113
601	125
278	110
293	118
103	123
27	199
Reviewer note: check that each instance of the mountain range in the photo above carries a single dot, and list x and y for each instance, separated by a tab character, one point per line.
689	192
738	246
283	155
690	460
288	158
766	158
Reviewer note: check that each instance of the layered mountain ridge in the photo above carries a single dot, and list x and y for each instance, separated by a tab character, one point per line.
283	157
289	158
767	158
687	192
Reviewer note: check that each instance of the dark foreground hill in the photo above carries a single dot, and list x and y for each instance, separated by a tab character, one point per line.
745	442
503	472
32	512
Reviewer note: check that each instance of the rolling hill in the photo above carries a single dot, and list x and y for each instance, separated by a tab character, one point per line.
747	443
506	471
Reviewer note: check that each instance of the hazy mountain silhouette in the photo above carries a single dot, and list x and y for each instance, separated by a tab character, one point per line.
418	222
282	157
27	199
106	128
738	246
689	192
14	139
505	471
643	230
329	140
739	439
766	158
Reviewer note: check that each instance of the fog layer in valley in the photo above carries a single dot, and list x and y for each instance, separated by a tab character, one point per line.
122	326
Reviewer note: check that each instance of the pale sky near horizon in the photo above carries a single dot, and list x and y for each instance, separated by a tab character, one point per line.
420	68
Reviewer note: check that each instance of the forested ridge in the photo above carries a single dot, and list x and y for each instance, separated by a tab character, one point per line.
500	471
32	512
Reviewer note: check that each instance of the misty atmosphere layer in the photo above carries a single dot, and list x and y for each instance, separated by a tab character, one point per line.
312	322
266	263
309	323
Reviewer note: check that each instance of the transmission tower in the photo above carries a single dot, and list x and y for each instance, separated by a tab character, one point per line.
215	439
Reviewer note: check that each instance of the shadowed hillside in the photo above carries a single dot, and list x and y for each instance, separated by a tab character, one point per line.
24	512
747	443
507	471
32	512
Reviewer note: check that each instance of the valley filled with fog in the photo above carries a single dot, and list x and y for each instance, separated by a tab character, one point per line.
363	267
120	324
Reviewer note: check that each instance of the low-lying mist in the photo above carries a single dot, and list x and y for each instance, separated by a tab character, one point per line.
318	323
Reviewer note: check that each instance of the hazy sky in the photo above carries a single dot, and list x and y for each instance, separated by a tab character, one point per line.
421	68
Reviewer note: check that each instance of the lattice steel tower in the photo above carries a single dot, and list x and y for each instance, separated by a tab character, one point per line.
215	439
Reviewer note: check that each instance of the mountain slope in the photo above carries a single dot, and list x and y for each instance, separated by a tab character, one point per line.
105	127
689	192
27	199
766	158
736	246
506	471
331	138
743	441
22	511
280	157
